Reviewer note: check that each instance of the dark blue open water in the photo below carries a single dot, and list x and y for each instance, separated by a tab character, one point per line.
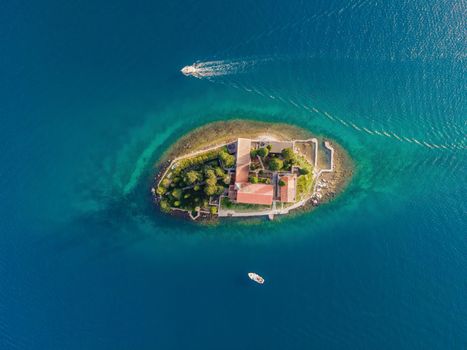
90	97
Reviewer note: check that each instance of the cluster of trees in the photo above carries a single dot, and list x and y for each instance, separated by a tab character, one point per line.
286	159
195	161
193	182
211	181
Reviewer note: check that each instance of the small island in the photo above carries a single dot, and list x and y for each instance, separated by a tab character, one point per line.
246	168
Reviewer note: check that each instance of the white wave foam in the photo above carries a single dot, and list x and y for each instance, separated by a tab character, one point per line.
210	69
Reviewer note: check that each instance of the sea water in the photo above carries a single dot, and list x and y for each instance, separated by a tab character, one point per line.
92	96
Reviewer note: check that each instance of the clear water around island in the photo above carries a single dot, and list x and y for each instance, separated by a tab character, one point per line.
92	95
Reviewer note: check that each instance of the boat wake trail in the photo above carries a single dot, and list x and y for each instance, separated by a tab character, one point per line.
210	69
440	136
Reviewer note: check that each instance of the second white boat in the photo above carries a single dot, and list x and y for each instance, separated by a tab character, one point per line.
255	277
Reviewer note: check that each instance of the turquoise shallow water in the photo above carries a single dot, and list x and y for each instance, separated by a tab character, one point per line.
92	97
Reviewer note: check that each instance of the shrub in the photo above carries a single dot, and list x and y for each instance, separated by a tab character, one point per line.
226	179
186	196
263	152
269	147
165	183
176	203
253	179
161	190
213	210
304	171
276	164
226	202
196	188
165	206
220	190
177	193
281	183
253	153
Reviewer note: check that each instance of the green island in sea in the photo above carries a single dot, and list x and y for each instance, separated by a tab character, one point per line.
243	168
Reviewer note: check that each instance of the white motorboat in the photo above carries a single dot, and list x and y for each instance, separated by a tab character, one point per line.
191	70
255	277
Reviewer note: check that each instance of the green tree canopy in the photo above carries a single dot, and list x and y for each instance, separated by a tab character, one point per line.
254	179
161	190
210	189
177	193
276	164
219	190
226	179
211	181
192	176
209	173
288	154
227	159
165	183
263	152
165	206
218	170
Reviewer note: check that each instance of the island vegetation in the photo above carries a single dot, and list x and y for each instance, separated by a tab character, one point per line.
194	180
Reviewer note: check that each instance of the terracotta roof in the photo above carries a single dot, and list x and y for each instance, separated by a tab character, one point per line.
288	191
243	160
255	193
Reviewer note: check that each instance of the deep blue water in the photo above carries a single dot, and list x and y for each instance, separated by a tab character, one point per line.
91	96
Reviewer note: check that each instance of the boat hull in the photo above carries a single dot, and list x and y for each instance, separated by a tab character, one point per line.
255	277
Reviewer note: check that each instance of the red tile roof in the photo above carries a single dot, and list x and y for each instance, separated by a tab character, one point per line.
243	160
255	193
288	191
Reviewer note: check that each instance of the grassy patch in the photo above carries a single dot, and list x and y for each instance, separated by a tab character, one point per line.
226	203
